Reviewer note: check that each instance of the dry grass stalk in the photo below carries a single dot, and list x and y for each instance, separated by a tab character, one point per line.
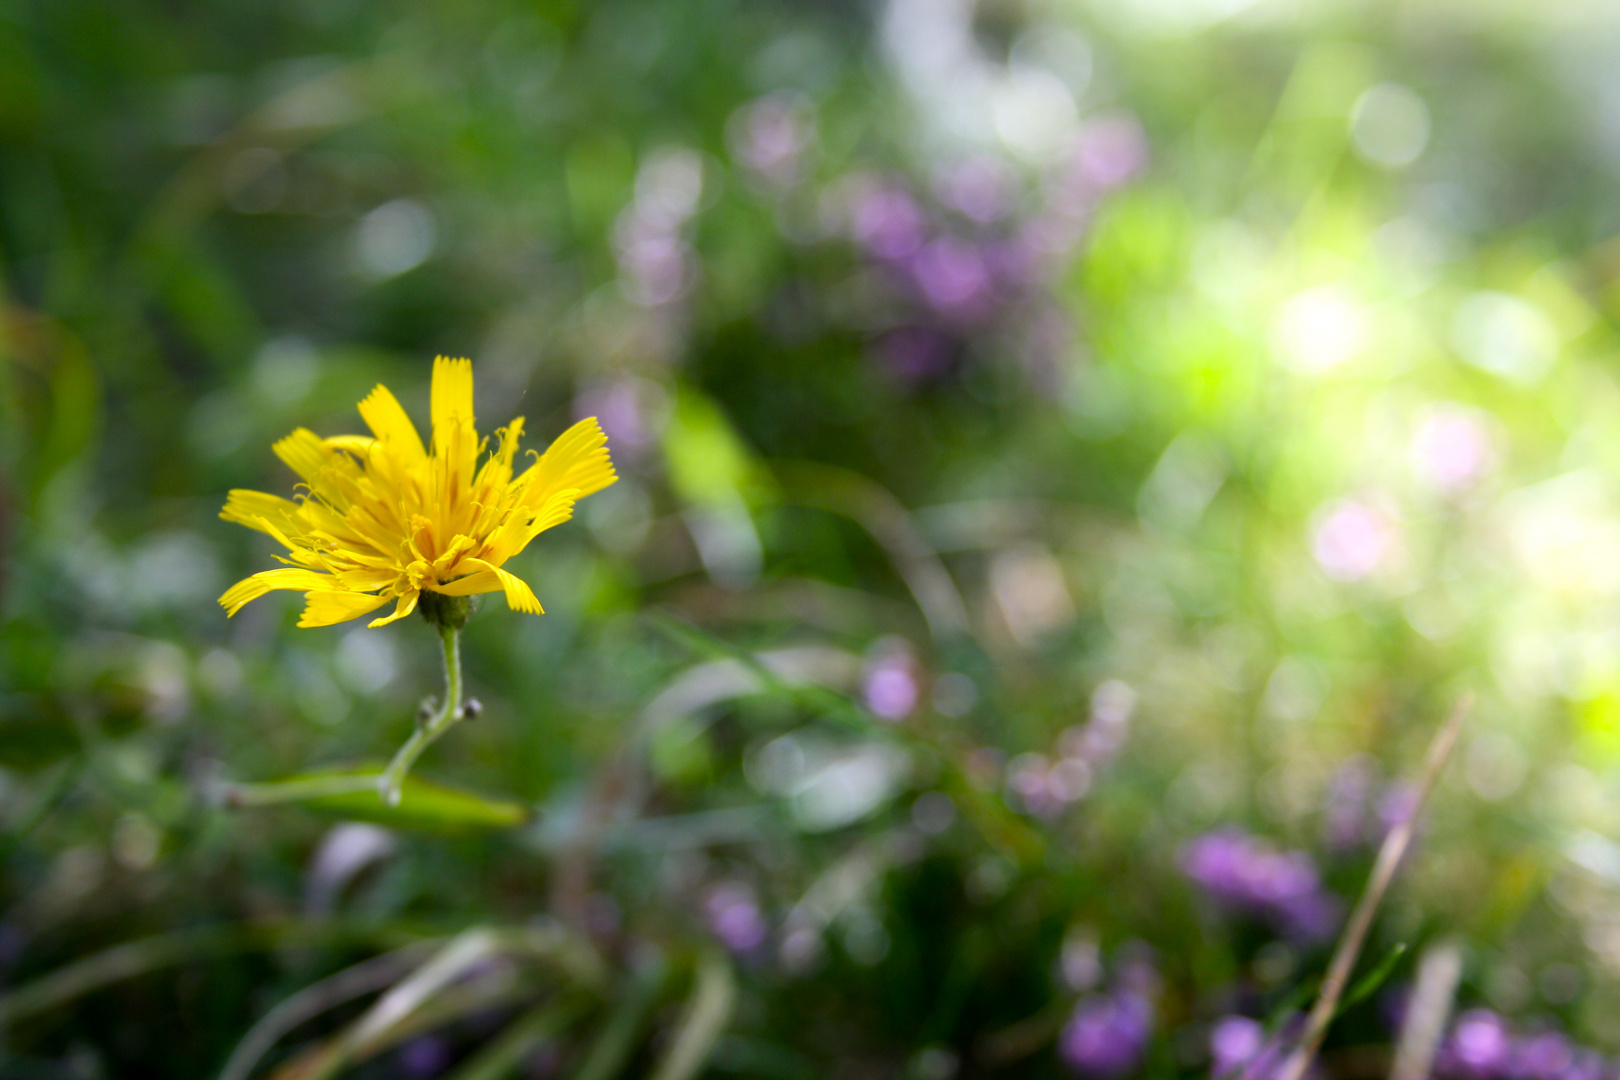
1383	872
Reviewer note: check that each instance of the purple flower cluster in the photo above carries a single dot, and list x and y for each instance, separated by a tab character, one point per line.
657	264
967	259
891	686
735	918
1234	1042
425	1057
1045	786
1246	874
1107	1034
1481	1046
632	411
772	138
954	257
1240	1048
953	271
1359	810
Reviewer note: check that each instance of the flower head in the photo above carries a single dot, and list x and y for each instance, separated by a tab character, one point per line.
1107	1034
1245	873
381	516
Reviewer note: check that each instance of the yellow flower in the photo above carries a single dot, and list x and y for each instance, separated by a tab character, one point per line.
382	517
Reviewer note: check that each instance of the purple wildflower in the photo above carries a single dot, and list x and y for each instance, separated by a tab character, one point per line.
981	188
735	917
888	223
890	686
917	354
1249	875
891	689
1349	792
1240	1049
655	262
630	410
1107	1035
1477	1048
1547	1056
1234	1041
1482	1047
772	137
1588	1065
424	1057
1109	152
953	278
1399	803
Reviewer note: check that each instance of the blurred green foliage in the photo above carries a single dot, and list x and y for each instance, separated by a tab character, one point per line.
1048	433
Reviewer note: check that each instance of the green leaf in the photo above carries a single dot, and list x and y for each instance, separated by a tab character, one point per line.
709	464
1373	979
707	1013
422	805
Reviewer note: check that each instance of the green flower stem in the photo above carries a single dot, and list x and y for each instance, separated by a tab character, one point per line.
392	780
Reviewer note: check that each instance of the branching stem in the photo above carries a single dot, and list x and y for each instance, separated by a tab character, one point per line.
392	780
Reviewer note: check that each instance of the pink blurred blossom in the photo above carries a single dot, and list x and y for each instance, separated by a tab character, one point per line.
917	354
1110	151
890	688
952	276
735	917
887	222
773	137
982	188
1353	540
1452	448
630	410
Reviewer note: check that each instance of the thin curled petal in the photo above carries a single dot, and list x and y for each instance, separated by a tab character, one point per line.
326	607
249	589
519	597
304	452
485	581
578	459
248	507
358	445
407	604
558	509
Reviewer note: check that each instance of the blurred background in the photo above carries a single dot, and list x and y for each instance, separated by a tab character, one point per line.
1071	456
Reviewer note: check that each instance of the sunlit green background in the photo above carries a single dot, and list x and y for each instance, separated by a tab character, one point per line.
1047	433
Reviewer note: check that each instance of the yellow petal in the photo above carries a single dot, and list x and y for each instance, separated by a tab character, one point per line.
407	604
445	564
498	469
386	418
368	578
515	535
519	597
358	445
304	452
482	582
324	607
558	509
452	394
250	589
578	460
247	507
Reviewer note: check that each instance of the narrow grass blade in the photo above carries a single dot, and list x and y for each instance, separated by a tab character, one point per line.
706	1017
